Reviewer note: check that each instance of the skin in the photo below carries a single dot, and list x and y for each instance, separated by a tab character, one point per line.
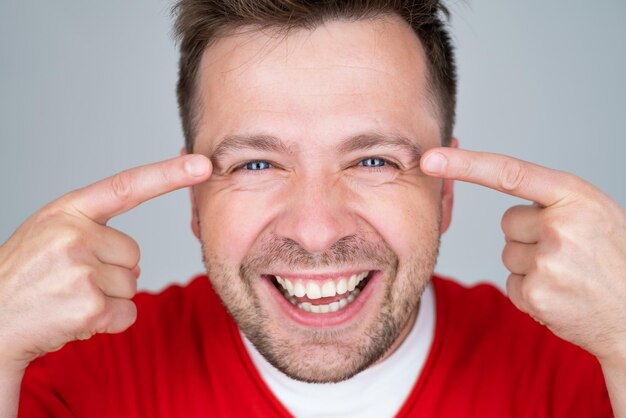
65	275
566	253
311	90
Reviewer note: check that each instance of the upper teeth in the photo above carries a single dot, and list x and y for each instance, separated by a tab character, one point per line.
315	289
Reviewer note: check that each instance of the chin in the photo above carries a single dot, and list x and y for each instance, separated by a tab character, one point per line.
325	356
323	319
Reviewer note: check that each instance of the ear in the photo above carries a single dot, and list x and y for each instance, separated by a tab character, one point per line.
194	210
447	196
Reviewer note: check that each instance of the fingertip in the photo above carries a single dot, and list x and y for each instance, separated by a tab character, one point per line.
434	162
197	165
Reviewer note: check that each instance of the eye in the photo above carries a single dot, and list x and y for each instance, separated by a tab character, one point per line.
373	162
256	165
373	171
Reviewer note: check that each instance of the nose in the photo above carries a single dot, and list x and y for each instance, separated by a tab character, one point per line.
317	216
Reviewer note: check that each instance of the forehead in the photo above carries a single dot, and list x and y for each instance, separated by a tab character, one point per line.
338	79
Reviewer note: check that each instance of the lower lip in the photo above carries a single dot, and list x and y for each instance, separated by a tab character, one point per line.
325	319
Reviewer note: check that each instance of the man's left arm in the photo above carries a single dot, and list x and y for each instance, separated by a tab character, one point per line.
566	253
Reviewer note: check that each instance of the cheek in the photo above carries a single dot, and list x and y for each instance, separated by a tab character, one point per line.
232	220
405	215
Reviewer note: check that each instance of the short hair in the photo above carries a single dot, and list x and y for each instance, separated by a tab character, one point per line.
200	22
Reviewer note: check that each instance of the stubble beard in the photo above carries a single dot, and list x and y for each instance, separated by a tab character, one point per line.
323	355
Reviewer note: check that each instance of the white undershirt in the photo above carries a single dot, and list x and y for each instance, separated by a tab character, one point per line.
379	391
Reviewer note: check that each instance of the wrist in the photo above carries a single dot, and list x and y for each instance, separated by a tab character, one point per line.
615	360
12	370
10	385
10	366
11	377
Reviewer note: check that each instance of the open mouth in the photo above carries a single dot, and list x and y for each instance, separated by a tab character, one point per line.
322	296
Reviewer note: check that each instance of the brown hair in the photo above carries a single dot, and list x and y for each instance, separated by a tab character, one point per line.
200	22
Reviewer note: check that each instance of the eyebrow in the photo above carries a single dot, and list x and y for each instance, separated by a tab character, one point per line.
371	140
268	143
233	143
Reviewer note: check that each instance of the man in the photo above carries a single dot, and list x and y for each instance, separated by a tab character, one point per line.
319	215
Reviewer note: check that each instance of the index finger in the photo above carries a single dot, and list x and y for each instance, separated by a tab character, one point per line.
123	191
499	172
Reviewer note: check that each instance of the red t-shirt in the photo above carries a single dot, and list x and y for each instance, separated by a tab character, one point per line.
184	358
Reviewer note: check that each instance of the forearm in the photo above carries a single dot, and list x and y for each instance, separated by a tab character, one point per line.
615	378
10	383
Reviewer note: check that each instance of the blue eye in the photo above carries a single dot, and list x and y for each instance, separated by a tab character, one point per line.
257	165
373	162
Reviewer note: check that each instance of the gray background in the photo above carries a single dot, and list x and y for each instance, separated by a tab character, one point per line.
87	89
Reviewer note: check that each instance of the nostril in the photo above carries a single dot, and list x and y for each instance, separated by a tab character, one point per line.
316	227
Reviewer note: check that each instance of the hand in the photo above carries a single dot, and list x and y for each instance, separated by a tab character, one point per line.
65	275
566	253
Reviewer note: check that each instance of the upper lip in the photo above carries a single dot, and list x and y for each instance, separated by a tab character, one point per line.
318	276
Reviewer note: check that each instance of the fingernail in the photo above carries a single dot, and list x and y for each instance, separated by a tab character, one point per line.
196	166
435	163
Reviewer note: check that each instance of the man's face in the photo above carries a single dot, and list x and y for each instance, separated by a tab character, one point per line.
319	230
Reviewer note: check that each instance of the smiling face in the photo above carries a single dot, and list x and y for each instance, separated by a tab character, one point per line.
319	230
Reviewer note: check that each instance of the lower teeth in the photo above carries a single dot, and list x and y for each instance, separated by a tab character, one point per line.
331	307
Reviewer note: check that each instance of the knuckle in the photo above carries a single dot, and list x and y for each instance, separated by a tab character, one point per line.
89	277
83	282
93	308
131	313
133	284
122	186
69	240
545	264
88	300
573	182
512	283
132	287
550	259
534	297
127	245
76	242
126	286
512	175
506	256
119	318
48	214
508	219
555	233
516	286
509	285
134	251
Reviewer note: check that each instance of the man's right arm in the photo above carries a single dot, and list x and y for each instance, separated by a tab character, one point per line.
66	275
